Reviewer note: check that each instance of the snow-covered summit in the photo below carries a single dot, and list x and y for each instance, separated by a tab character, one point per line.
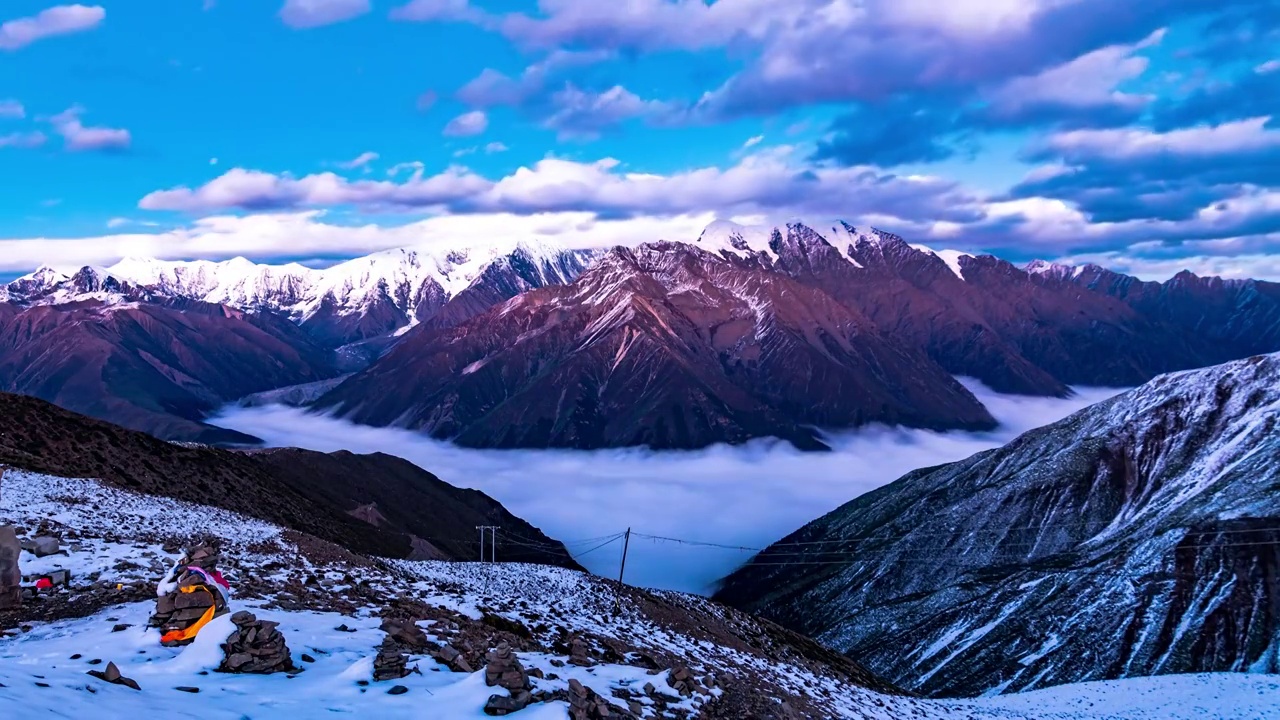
725	236
398	287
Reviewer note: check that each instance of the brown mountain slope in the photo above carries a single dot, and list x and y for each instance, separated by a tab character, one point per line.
665	345
330	496
154	366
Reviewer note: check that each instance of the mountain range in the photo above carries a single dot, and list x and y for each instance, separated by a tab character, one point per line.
156	346
1140	536
740	334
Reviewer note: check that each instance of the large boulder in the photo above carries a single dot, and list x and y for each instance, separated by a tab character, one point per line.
10	575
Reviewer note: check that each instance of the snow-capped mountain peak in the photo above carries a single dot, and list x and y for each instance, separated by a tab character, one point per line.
724	236
377	294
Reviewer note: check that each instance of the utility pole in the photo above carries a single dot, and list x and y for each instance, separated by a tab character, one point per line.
617	598
493	542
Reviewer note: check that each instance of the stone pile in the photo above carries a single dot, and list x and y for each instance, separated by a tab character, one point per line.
189	596
682	681
503	669
390	664
255	647
10	575
579	653
457	662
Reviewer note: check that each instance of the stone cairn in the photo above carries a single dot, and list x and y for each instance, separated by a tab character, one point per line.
392	661
10	575
503	670
190	595
255	647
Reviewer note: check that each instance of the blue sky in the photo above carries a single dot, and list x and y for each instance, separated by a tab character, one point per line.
1136	135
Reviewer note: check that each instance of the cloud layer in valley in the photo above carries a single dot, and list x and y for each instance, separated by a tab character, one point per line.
747	496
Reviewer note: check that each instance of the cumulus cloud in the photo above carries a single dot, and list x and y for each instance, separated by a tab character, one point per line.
303	14
467	124
77	137
747	496
584	114
495	147
57	20
762	184
1082	90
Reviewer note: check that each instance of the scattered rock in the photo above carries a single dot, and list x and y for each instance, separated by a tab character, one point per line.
121	627
586	704
450	656
398	690
307	658
406	632
42	546
112	675
187	689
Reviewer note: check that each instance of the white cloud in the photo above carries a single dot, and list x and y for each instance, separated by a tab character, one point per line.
495	147
272	236
360	161
467	124
314	13
1129	143
78	137
753	141
1269	66
748	496
12	109
57	20
766	183
22	140
1086	82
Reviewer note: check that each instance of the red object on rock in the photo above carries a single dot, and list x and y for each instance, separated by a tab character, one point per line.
44	583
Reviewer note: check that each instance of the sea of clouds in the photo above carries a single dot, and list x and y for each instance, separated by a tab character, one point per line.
743	496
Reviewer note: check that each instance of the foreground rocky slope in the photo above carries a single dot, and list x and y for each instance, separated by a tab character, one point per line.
1140	536
376	504
665	345
581	644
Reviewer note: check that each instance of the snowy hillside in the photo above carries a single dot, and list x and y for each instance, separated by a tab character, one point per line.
1140	536
329	605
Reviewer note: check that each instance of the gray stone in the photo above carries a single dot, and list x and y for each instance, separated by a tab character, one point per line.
10	574
45	546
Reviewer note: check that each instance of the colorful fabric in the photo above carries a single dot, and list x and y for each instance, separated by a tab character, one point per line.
191	632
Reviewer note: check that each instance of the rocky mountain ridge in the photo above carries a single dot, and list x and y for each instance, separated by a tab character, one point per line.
1140	536
664	345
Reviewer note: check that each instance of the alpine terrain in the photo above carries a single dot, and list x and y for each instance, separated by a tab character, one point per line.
1140	536
157	346
752	332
